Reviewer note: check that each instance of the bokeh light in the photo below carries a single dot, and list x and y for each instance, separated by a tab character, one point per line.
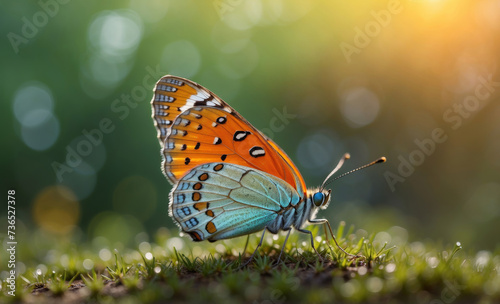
229	40
181	58
315	152
33	104
56	210
175	242
113	38
88	264
81	181
105	254
244	16
33	107
359	106
239	64
152	11
115	33
44	135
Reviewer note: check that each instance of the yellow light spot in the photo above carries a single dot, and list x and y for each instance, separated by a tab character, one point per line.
56	210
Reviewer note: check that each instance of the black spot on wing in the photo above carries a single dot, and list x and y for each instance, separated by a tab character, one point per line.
240	135
257	151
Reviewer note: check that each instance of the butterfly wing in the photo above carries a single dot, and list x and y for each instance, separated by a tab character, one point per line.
206	129
173	95
221	200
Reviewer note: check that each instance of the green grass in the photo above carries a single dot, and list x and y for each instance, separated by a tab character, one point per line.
396	271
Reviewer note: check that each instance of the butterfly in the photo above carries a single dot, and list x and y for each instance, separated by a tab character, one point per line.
229	179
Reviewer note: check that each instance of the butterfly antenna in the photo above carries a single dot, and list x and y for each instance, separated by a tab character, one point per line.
380	160
339	165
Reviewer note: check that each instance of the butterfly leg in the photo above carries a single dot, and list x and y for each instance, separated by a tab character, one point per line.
283	247
312	241
326	233
258	246
246	244
324	221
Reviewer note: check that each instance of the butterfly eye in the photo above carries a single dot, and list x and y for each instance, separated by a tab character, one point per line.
318	198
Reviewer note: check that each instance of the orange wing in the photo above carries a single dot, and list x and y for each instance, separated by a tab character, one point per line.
196	127
172	96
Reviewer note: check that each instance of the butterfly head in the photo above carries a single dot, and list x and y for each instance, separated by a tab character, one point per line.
321	198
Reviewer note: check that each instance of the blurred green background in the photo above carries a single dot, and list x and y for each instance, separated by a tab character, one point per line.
370	78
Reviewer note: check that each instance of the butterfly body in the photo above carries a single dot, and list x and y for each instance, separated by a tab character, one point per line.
228	178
